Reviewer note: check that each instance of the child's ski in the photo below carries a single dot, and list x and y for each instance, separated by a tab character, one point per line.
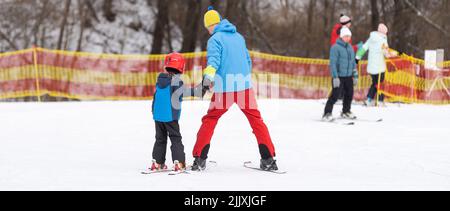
156	172
250	165
188	170
173	173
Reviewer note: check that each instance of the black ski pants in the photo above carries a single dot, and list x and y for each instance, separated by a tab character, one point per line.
171	130
346	87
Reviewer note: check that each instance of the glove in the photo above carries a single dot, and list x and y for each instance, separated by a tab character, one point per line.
201	89
357	61
355	77
336	83
207	84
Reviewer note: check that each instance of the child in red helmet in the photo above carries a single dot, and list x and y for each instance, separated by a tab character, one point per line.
166	109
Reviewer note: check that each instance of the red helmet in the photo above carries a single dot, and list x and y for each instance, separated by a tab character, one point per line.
174	61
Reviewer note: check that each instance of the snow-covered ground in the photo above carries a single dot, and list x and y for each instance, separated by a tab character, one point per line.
105	145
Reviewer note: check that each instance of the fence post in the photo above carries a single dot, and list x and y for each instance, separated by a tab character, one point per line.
36	70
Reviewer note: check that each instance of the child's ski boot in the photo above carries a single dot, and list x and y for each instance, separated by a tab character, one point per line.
158	167
178	167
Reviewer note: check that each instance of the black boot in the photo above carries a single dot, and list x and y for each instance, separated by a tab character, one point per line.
199	164
269	164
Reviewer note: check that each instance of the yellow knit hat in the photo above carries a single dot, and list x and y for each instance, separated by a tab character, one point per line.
211	17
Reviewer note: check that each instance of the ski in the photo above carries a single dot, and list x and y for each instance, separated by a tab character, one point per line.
370	120
365	120
211	164
250	165
174	173
155	172
343	122
171	172
336	121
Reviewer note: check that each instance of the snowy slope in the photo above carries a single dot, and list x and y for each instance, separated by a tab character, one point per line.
105	145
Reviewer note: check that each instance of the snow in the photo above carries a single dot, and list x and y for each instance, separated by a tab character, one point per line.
105	145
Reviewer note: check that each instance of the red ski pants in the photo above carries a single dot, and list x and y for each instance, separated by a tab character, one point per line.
220	103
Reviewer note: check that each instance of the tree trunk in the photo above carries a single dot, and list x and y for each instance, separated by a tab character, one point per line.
215	4
328	14
400	27
107	10
309	27
82	16
384	10
169	37
191	26
63	24
231	11
375	20
161	22
354	8
43	14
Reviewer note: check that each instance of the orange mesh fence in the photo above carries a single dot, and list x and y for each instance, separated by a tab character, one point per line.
88	76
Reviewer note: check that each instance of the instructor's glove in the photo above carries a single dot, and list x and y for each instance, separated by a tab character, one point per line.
201	89
207	84
336	83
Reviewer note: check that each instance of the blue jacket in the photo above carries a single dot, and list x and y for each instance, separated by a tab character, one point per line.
228	54
342	60
164	108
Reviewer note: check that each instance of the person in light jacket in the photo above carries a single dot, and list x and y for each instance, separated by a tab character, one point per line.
378	48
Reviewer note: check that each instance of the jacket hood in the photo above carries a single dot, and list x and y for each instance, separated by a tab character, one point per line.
378	34
225	26
164	80
341	42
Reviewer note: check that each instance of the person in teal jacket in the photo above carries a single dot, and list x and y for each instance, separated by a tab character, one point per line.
344	73
229	72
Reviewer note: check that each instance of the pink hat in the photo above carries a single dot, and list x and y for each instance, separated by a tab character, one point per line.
382	28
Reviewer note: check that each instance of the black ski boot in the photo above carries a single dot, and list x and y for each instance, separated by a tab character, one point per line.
199	164
269	164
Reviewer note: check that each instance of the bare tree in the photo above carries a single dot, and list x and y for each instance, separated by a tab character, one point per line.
161	22
63	23
192	23
309	27
108	10
375	14
82	16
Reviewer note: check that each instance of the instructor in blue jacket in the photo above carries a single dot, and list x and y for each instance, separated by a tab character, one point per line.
229	72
